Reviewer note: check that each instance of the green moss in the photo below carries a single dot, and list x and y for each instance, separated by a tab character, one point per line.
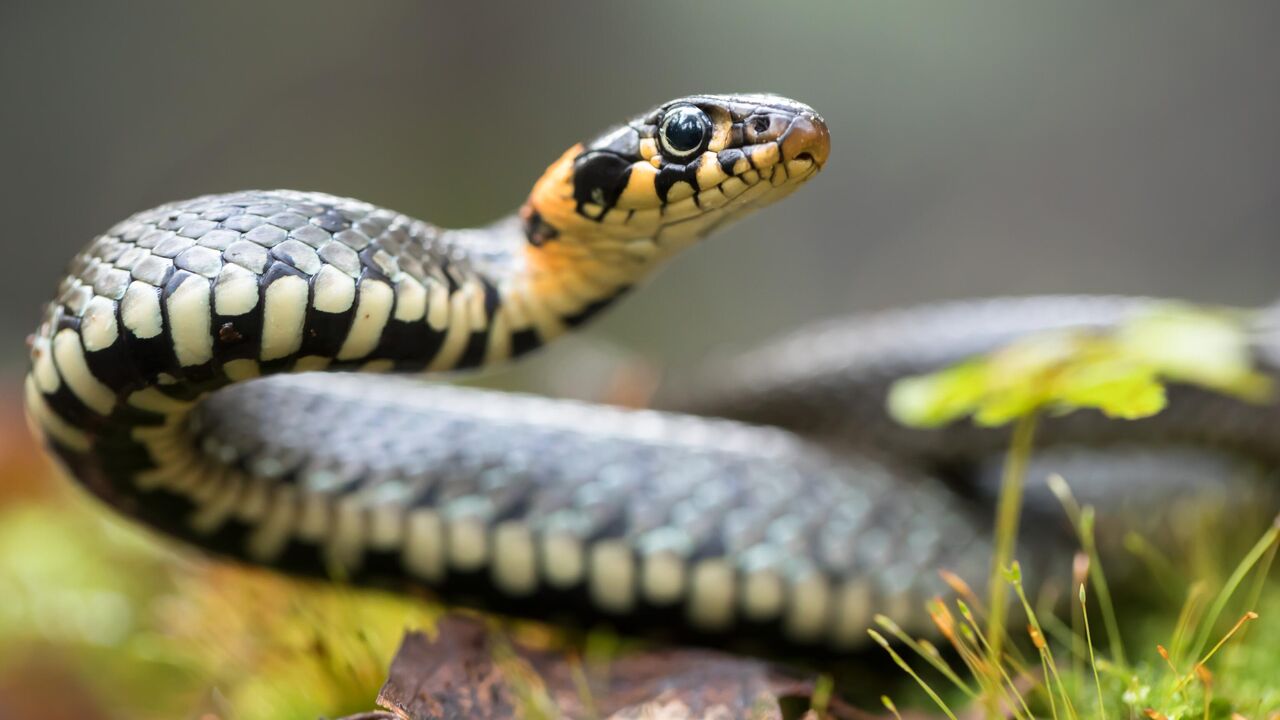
157	634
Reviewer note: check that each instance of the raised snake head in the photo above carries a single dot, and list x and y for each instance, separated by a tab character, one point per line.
668	177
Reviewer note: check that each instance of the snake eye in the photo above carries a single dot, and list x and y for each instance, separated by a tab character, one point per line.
684	130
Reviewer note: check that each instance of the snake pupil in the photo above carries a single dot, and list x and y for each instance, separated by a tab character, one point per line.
684	129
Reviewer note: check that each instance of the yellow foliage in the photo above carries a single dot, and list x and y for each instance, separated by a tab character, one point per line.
1121	372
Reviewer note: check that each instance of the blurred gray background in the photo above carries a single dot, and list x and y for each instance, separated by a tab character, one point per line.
979	148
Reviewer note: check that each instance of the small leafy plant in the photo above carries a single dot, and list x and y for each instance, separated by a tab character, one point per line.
1122	373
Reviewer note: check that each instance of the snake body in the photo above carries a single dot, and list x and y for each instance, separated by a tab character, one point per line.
177	377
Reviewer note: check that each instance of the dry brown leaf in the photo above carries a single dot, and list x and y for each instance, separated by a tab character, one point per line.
455	677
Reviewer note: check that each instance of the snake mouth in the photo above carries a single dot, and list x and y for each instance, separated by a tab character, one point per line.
809	158
699	215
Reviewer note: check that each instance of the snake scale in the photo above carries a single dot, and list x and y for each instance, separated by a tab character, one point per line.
177	377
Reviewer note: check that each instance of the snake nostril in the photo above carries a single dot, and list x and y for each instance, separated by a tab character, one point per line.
805	156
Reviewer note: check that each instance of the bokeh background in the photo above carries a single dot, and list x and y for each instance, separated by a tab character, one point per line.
979	148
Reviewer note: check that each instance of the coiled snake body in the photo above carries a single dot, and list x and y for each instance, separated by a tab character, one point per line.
790	518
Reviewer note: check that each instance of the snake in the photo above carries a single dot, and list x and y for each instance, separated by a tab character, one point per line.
262	374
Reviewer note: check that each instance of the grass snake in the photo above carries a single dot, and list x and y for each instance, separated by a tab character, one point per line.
177	377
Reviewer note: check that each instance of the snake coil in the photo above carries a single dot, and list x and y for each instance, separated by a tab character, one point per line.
177	376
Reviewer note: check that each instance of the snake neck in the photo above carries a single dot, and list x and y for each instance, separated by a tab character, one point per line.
548	268
535	287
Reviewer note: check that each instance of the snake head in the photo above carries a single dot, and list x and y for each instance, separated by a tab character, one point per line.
671	175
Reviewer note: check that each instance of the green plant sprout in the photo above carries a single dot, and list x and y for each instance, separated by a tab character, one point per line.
1121	372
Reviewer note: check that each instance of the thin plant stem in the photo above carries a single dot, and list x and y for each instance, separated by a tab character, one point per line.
1083	520
1242	570
897	659
929	653
1008	512
1099	579
1255	595
1093	662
